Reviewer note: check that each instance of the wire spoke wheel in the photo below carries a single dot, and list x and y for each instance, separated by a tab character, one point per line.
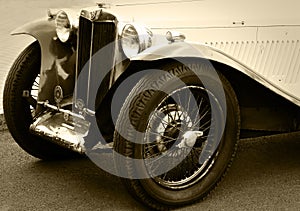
33	95
177	136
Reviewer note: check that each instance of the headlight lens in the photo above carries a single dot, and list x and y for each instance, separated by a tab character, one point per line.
135	39
63	26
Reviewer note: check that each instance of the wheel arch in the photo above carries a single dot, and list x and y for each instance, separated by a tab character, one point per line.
52	49
202	51
42	30
262	109
249	92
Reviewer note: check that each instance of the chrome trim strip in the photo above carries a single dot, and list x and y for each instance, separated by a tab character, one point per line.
64	111
90	65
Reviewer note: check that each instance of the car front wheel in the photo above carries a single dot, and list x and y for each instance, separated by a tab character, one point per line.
19	103
175	136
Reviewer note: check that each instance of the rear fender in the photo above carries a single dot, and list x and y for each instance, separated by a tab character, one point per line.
57	59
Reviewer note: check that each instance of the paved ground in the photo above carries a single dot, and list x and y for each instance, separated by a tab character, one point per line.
264	176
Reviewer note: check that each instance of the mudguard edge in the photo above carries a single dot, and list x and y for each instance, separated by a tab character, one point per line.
54	56
197	50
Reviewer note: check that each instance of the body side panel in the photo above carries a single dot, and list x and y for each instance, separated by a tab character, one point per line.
259	38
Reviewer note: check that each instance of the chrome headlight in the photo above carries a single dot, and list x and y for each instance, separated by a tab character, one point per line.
135	39
63	26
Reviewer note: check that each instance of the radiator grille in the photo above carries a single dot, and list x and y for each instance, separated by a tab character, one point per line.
84	44
95	57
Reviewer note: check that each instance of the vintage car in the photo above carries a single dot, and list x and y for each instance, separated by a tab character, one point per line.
157	92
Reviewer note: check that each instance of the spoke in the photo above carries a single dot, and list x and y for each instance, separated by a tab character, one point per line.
205	110
194	155
198	148
204	130
165	174
153	145
153	155
201	117
150	147
169	123
162	155
164	136
195	159
197	108
170	118
205	124
156	144
179	114
189	101
206	137
35	83
200	104
150	165
166	123
180	103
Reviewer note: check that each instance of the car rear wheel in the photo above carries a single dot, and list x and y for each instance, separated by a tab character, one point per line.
171	145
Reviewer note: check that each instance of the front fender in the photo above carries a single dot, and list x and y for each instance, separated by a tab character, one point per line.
57	59
196	50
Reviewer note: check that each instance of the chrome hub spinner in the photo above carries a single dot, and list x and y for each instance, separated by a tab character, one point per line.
189	139
58	94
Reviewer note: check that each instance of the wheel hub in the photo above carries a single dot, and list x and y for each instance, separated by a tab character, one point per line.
189	139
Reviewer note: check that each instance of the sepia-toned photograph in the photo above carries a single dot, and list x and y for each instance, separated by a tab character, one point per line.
149	105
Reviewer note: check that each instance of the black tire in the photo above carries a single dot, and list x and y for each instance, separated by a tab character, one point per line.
189	180
19	113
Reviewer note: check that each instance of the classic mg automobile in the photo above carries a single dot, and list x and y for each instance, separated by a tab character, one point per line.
157	92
